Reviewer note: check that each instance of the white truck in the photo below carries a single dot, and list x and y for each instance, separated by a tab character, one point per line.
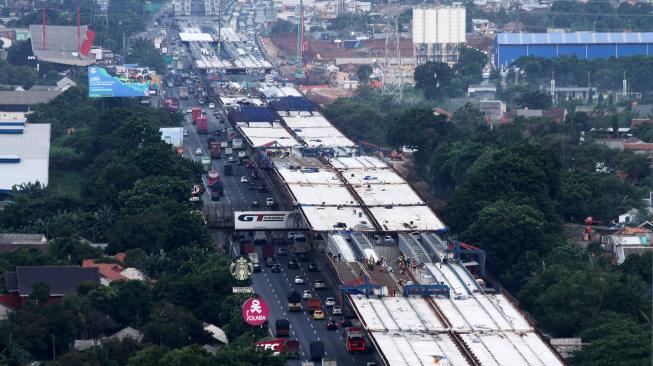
237	143
254	258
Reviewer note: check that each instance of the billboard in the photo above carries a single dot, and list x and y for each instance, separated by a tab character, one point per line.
255	311
267	220
122	82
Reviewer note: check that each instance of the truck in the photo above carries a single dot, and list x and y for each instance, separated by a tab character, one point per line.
280	346
228	151
217	190
355	339
202	125
329	361
299	245
213	177
228	170
268	250
183	92
317	350
224	144
314	304
259	237
282	327
206	163
237	143
216	152
254	258
246	246
294	301
196	112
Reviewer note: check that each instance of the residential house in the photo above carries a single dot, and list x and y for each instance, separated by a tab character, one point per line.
110	272
11	242
128	332
628	241
62	281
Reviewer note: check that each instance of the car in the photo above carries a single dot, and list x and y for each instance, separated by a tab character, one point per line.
269	201
319	285
188	110
255	203
345	323
336	310
331	325
232	159
276	268
307	295
269	262
211	105
329	302
262	189
186	133
312	267
388	240
243	179
299	280
318	315
199	151
250	165
282	252
292	264
201	101
252	185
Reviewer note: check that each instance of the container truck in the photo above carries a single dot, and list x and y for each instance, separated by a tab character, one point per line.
213	176
314	304
282	327
216	152
195	113
202	125
183	92
294	301
268	250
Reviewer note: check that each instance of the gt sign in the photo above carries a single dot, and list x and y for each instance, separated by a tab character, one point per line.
262	220
255	311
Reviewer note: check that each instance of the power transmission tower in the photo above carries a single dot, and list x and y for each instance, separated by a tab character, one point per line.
100	12
391	71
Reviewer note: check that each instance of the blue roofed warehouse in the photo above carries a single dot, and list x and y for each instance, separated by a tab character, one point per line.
508	47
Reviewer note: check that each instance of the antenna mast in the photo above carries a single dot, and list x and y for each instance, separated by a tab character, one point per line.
391	71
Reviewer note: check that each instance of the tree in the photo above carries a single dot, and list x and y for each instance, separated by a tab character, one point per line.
191	355
143	53
363	73
534	100
434	78
469	116
173	327
470	65
148	356
613	331
282	26
40	293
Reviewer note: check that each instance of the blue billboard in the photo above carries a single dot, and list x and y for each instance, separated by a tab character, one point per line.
101	84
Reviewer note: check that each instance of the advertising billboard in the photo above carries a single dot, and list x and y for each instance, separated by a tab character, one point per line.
274	345
121	82
255	311
267	220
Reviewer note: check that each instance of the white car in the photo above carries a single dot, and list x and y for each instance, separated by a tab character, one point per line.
337	310
188	110
199	151
186	132
299	280
211	105
243	179
330	301
307	295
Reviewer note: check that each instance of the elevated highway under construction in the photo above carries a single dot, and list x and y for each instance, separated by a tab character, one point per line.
435	306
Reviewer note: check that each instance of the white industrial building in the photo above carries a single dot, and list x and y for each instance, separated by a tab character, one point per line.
173	135
24	153
438	33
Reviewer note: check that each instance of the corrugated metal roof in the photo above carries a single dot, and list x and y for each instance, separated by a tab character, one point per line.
573	38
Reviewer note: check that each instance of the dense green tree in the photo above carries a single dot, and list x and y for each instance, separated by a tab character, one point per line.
23	76
142	52
173	327
282	26
363	73
148	356
434	78
470	65
469	116
534	100
191	355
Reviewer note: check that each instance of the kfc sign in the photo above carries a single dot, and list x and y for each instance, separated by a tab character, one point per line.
274	345
255	311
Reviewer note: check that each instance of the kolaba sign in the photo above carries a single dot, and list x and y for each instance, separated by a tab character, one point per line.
255	311
266	220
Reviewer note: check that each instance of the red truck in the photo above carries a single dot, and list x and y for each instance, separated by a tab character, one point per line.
314	304
202	125
268	250
214	176
290	347
246	247
195	113
216	151
355	339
